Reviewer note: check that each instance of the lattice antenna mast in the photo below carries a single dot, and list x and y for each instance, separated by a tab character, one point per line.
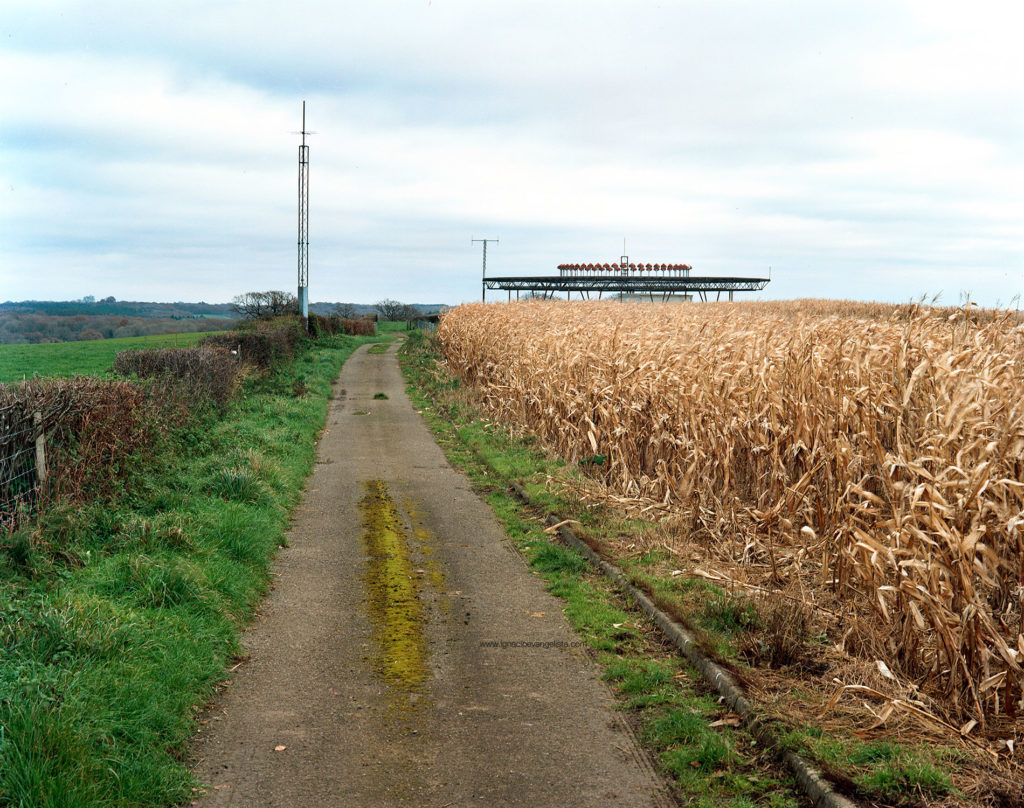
304	220
483	280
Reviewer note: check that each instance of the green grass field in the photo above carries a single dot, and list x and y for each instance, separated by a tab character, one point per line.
85	358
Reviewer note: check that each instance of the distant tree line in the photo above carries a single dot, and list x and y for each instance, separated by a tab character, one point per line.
110	306
254	305
35	328
33	321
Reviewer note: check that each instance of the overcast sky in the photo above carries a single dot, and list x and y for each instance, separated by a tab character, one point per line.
866	150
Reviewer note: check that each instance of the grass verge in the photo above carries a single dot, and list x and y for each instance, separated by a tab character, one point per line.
117	618
712	760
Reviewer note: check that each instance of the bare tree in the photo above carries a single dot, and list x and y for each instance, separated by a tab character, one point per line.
249	305
390	309
253	305
279	302
409	313
346	311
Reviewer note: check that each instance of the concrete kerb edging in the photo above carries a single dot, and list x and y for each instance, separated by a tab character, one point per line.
815	786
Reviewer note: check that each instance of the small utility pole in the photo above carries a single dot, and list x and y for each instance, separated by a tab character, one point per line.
483	281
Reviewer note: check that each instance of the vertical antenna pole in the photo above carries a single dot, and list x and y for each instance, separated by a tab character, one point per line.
304	222
483	280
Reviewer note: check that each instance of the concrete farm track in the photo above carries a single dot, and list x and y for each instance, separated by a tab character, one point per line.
452	720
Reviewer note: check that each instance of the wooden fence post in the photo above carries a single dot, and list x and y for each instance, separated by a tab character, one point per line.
40	448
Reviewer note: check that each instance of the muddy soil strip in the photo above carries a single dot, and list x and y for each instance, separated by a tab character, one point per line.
376	672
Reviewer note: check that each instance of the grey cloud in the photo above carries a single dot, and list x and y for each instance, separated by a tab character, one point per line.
746	129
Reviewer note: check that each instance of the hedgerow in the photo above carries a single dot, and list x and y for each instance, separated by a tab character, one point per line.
261	342
120	604
205	373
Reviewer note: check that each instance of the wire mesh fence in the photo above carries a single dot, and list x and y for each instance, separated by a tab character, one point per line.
20	457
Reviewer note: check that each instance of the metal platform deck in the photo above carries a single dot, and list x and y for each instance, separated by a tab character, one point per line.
652	286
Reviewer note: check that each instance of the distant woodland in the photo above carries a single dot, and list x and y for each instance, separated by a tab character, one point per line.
34	321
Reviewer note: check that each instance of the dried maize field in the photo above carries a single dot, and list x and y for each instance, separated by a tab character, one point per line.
869	454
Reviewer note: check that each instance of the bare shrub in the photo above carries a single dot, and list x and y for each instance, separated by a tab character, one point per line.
204	373
262	343
93	428
359	328
326	326
320	326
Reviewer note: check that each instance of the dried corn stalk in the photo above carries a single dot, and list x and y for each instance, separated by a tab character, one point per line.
884	444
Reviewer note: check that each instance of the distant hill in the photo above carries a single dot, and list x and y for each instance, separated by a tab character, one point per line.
117	308
35	321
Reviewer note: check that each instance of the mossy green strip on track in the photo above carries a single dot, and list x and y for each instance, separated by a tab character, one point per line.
117	619
393	597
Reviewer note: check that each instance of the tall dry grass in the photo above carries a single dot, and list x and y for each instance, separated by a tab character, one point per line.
878	448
